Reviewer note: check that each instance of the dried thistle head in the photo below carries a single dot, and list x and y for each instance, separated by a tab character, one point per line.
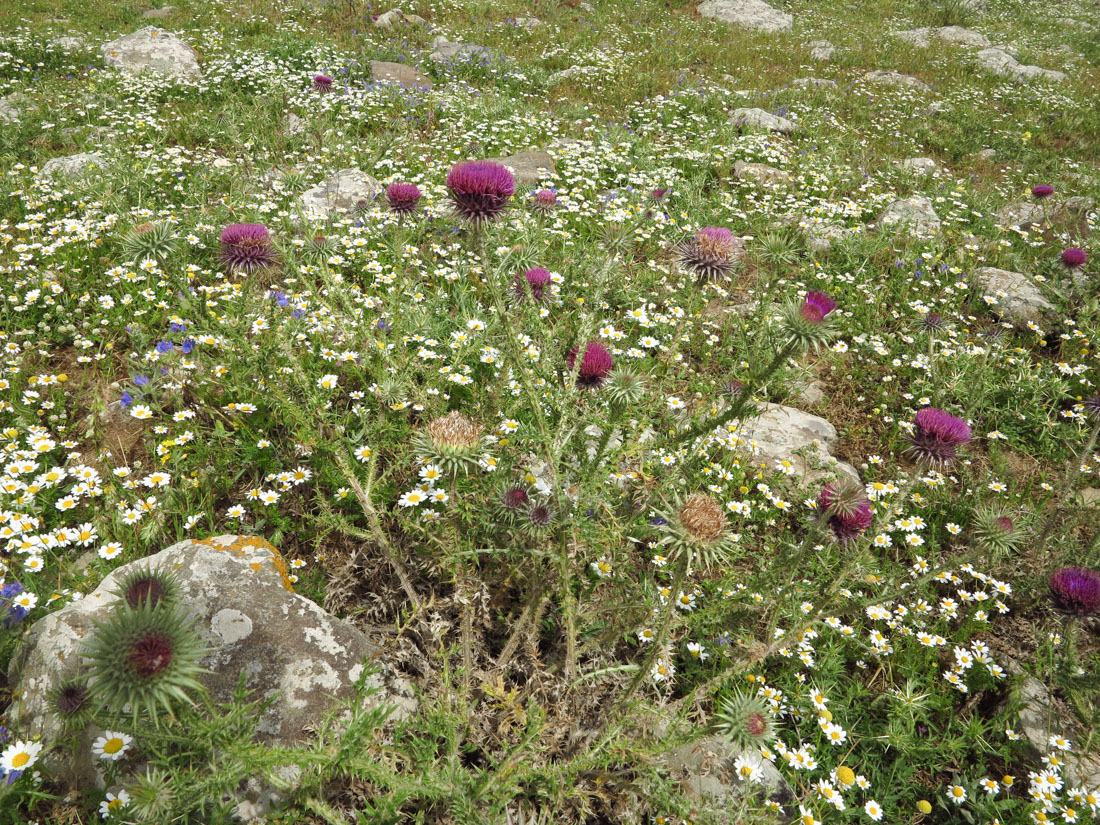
452	442
698	530
702	518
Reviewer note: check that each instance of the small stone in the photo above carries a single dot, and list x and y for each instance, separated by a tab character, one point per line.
920	166
569	73
1018	299
158	14
821	50
987	155
71	43
528	167
760	172
1068	216
154	50
813	83
916	213
763	120
786	432
396	17
339	194
383	72
884	78
956	35
526	22
750	14
446	51
73	165
705	771
294	125
12	106
811	393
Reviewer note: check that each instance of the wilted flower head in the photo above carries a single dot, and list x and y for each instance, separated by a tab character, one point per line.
847	510
933	321
1076	591
812	322
596	364
698	529
1074	257
480	190
537	278
454	430
712	253
322	82
403	198
1044	190
544	200
246	247
937	436
452	442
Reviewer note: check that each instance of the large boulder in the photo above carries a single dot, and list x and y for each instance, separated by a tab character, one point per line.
896	79
384	72
763	120
237	589
1070	215
1017	298
73	165
915	213
528	167
342	193
154	50
1000	62
780	432
449	51
751	14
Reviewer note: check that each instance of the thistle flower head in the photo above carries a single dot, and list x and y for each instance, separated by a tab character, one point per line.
624	387
1074	257
1092	405
997	532
937	436
811	323
698	529
515	498
453	442
713	253
152	797
539	517
150	240
596	364
537	278
746	721
480	190
148	585
71	702
846	509
1042	191
933	321
544	200
246	247
322	83
1076	591
144	659
403	198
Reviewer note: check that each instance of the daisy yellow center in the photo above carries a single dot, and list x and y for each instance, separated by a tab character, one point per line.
112	745
20	760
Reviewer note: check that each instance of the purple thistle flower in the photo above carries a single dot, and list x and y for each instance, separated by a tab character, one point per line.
658	194
544	200
712	253
1076	591
937	436
1042	191
850	513
816	306
480	190
1074	257
246	247
322	83
515	498
595	366
403	198
537	278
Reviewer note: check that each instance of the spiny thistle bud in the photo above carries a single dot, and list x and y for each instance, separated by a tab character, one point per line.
1042	191
150	240
71	702
322	83
246	247
540	517
152	797
596	364
995	531
746	721
544	201
515	498
1092	405
148	585
937	436
811	323
624	387
846	510
537	278
144	659
1076	591
698	530
933	321
713	253
453	442
480	190
403	198
1074	257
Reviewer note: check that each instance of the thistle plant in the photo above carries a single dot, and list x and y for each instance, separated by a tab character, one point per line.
480	190
713	253
996	532
1075	591
71	702
936	437
812	323
596	364
846	510
152	241
536	279
697	531
148	585
403	198
745	720
453	442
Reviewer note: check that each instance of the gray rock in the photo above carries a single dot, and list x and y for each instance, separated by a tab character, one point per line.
705	771
526	22
569	73
396	17
12	106
918	37
920	166
446	51
154	50
760	172
528	167
70	43
916	213
884	78
751	14
1090	496
812	392
384	72
763	120
780	431
158	14
339	194
956	35
1000	62
1018	299
294	125
251	620
1039	720
821	50
78	164
813	83
987	155
1070	215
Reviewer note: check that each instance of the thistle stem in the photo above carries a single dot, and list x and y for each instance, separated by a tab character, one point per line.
1067	485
